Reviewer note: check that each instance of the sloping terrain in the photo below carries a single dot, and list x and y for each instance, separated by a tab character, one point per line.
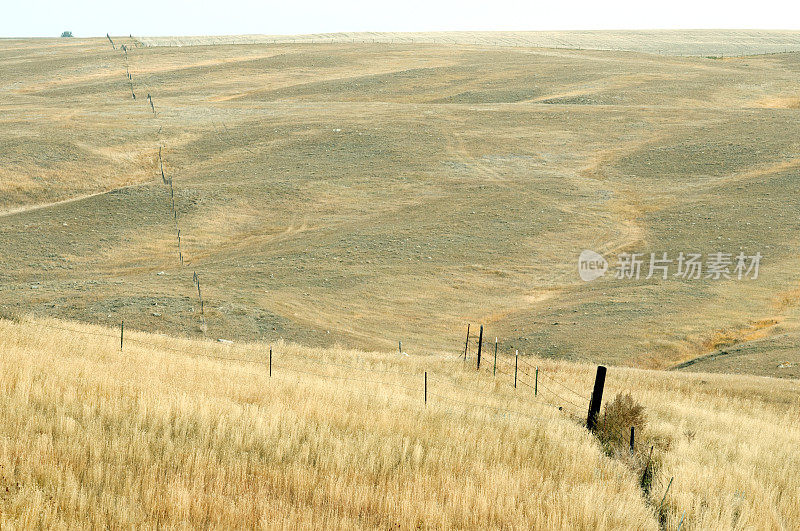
172	433
361	194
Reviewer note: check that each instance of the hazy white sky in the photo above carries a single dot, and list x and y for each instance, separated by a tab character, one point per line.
205	17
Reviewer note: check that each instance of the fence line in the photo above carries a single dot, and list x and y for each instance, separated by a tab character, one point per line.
267	369
279	365
549	395
548	401
164	179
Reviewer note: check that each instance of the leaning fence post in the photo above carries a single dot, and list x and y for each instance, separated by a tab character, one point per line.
597	398
681	523
494	370
480	344
466	347
516	362
661	506
121	333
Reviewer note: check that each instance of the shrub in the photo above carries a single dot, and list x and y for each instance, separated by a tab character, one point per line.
66	34
614	426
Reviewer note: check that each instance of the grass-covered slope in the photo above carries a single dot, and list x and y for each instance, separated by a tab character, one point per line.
173	433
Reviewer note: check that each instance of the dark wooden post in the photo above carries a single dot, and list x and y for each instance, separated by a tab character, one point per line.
480	344
426	388
466	347
270	362
161	165
400	347
494	370
121	333
597	398
536	383
516	360
633	431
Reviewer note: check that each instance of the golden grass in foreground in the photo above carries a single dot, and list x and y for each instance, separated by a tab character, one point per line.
162	435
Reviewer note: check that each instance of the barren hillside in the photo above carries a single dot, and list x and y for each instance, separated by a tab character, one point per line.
365	193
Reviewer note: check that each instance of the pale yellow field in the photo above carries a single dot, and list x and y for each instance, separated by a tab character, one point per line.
666	42
167	434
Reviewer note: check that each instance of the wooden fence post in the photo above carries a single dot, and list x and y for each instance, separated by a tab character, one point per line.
466	347
121	333
633	431
480	344
426	388
516	362
494	370
536	383
270	362
597	398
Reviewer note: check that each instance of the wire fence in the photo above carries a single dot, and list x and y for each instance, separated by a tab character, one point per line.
493	383
547	388
521	377
166	177
282	364
538	387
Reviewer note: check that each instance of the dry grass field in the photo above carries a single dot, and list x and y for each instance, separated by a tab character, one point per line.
347	192
175	433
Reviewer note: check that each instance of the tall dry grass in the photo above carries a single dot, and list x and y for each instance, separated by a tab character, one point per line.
163	434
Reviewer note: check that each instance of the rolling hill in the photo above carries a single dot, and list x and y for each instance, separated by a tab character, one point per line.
360	194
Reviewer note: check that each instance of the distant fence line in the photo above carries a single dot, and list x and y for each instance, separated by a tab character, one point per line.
165	179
